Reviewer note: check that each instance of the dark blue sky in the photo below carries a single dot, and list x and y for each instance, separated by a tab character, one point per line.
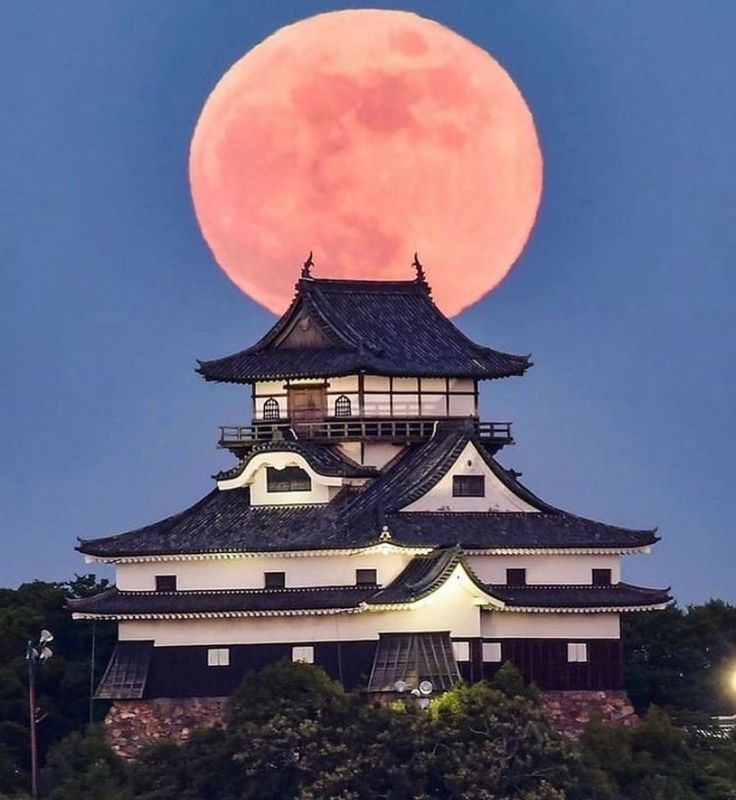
624	295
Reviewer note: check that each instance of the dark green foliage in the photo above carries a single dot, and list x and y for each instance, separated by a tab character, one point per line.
682	659
294	733
508	680
83	767
655	761
62	682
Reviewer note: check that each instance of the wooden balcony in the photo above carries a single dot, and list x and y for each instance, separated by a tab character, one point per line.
392	430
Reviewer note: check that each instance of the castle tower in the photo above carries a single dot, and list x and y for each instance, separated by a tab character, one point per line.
367	526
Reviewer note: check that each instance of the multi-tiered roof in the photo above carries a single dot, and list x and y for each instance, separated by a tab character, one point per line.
335	328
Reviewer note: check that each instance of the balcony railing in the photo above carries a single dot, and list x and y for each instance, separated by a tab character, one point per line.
385	429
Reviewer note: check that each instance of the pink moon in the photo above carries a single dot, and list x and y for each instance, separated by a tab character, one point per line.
365	136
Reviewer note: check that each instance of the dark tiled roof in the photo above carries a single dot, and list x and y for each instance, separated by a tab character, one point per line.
114	603
422	576
224	521
324	460
618	595
379	327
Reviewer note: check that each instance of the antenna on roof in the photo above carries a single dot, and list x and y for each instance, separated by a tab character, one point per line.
307	266
417	264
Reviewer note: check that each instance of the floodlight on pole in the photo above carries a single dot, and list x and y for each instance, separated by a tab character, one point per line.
35	653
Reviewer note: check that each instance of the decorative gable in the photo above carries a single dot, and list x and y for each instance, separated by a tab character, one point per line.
303	332
470	485
283	478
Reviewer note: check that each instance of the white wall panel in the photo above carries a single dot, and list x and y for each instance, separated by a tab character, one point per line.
514	625
570	569
247	573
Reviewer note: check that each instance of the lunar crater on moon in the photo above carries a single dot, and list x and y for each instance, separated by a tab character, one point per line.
366	136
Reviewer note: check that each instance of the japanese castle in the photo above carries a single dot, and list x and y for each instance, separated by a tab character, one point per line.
368	525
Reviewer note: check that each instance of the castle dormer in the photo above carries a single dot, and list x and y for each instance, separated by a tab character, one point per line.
294	473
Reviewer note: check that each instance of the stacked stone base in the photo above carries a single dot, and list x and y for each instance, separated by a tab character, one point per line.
132	723
569	712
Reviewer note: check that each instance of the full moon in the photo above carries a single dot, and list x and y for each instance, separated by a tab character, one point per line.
365	136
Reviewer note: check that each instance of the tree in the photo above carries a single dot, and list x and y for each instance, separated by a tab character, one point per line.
62	682
681	659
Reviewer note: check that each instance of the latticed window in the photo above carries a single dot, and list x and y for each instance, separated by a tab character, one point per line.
342	406
271	409
411	658
288	479
468	486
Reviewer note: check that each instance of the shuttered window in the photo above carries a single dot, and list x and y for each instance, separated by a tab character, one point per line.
601	577
468	486
364	576
516	577
165	583
274	580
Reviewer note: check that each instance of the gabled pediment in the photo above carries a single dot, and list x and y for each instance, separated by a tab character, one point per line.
444	571
471	483
303	331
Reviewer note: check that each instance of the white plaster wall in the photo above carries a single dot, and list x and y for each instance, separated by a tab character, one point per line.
247	573
346	384
546	569
351	450
378	454
433	405
377	405
376	383
451	608
514	625
497	498
406	405
461	385
462	405
268	388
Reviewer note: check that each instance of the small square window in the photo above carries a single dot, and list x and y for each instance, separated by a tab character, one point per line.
461	651
577	652
601	577
274	580
492	652
303	653
468	486
366	576
218	657
516	577
165	583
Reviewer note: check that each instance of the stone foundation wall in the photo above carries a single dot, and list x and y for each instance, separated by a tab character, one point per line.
569	711
129	724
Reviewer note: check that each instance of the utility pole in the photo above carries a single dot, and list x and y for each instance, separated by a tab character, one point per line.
31	659
92	673
35	653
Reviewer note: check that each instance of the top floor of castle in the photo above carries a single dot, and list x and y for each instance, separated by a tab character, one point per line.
362	362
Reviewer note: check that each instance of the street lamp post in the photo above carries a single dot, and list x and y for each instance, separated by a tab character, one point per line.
35	653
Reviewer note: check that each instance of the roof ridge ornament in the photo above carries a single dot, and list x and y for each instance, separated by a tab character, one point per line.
421	275
307	266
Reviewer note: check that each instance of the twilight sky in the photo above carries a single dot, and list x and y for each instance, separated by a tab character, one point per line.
624	295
